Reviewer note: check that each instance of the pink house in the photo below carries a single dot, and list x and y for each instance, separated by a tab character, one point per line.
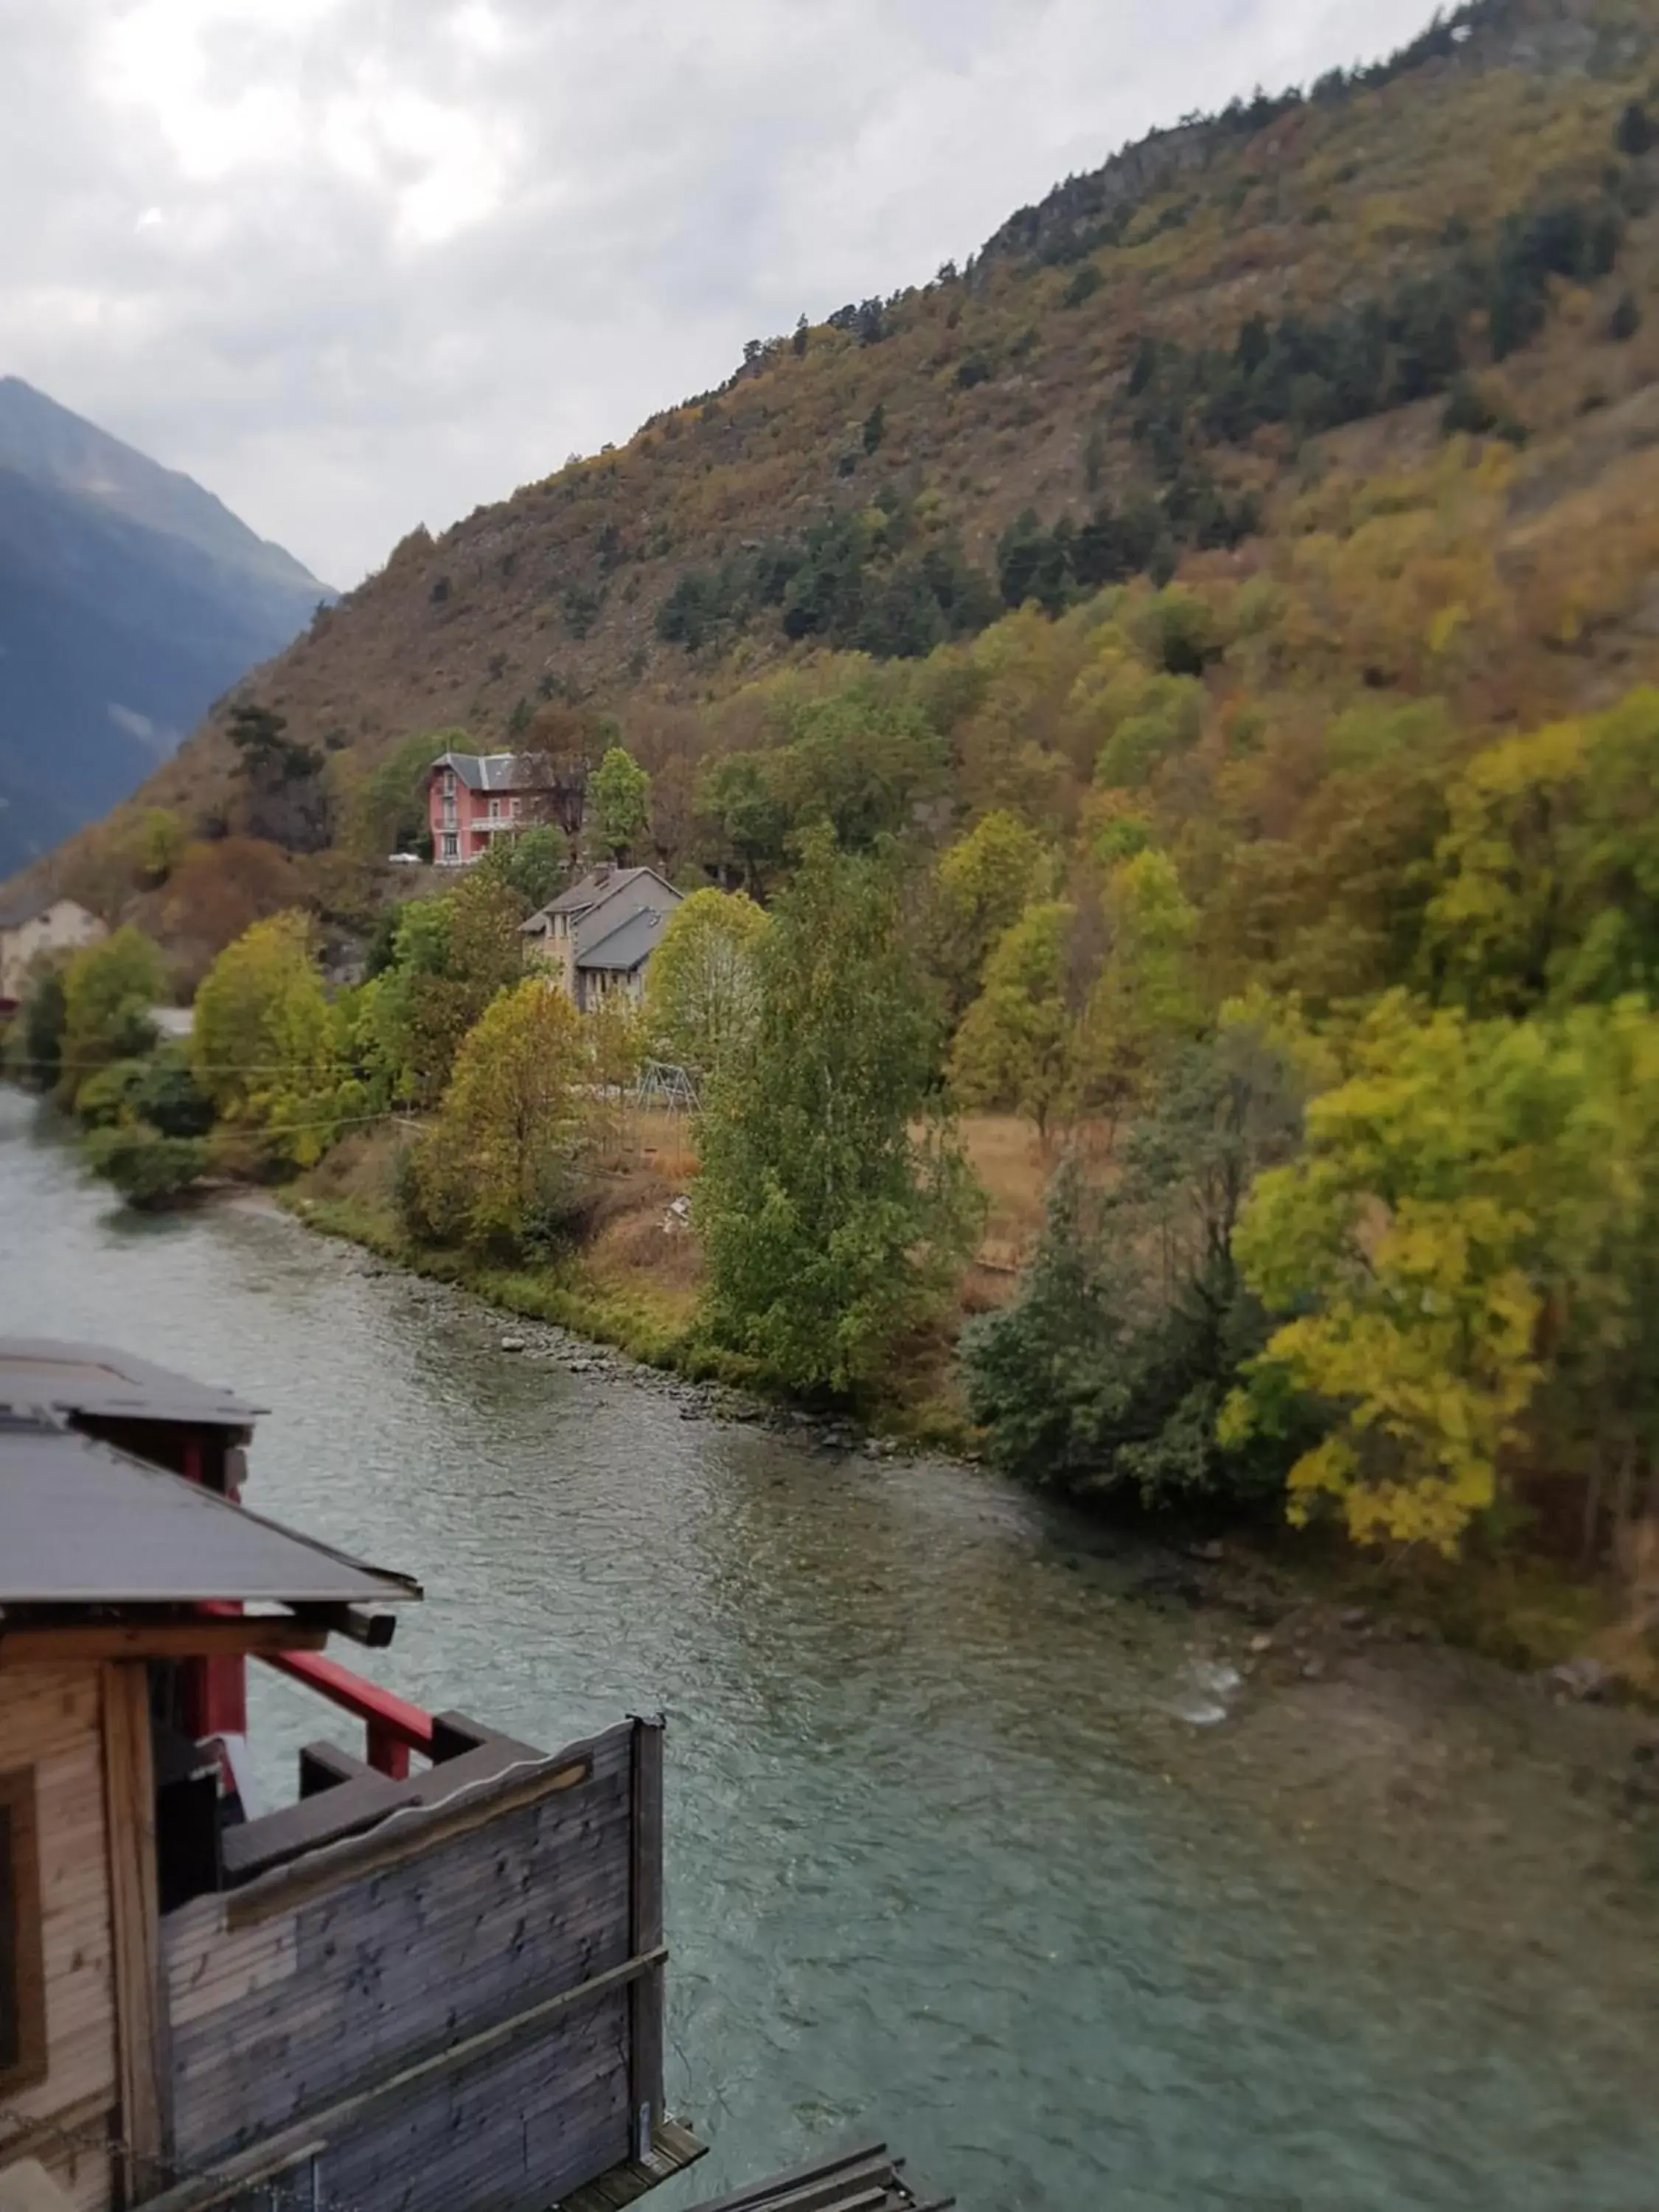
474	798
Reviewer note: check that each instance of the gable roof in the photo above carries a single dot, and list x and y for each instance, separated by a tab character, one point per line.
599	884
83	1524
624	944
495	771
27	906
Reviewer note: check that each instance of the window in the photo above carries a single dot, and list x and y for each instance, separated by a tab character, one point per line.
449	783
515	810
22	1990
451	846
495	809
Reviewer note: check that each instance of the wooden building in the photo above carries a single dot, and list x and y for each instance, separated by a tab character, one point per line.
432	1982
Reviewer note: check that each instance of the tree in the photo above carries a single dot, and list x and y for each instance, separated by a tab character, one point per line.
702	991
496	1165
830	1227
148	1169
108	992
1016	1049
450	957
285	798
860	762
388	810
535	865
167	1098
39	1028
619	802
740	796
1465	1251
157	844
1549	876
1145	1002
982	886
264	1046
1109	1371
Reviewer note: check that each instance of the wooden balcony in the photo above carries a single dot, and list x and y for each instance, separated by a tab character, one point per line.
428	1993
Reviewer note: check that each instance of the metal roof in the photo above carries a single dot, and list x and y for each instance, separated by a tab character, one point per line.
627	945
496	771
94	1379
595	887
868	2180
82	1524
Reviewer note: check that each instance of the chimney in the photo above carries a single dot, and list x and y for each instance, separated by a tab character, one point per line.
602	873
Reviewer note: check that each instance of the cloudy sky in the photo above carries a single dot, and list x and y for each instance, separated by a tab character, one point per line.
359	264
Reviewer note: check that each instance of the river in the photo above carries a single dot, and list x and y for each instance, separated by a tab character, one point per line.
950	1857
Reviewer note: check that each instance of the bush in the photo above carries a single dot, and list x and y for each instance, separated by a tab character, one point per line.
104	1100
148	1169
167	1096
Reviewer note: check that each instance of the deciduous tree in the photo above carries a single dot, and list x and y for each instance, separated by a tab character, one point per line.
1018	1048
498	1159
109	990
982	886
264	1046
703	989
831	1223
618	803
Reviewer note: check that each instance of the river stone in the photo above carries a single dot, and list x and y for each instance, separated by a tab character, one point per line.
512	1343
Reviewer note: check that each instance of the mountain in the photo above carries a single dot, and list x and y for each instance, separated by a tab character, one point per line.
1370	367
130	599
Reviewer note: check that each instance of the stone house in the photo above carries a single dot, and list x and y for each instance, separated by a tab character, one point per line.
42	923
597	937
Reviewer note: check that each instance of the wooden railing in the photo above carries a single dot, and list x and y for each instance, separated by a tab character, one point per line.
393	1726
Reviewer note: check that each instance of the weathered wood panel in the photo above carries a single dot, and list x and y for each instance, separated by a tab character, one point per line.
129	1816
49	1724
404	1956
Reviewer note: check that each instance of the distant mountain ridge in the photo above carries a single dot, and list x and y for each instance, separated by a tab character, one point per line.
130	599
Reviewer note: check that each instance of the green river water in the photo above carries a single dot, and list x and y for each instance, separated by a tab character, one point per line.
962	1849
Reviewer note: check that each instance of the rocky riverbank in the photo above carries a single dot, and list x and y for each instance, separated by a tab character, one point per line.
1270	1648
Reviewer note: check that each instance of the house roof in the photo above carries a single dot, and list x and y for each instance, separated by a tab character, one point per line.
597	886
624	944
82	1524
27	905
46	1372
495	771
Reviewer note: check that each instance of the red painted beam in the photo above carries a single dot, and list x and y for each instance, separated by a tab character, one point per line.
395	1726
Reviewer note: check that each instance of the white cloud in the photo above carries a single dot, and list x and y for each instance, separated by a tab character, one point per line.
357	264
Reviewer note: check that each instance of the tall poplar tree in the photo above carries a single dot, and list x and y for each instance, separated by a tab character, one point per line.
834	1209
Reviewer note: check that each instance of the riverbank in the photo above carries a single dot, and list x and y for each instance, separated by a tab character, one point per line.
632	1284
1527	1614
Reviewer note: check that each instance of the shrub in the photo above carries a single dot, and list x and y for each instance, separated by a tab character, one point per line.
148	1169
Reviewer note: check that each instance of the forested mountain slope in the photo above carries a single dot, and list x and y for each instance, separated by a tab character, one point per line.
1382	354
130	598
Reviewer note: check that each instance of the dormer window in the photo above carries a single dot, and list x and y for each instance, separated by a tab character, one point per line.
449	783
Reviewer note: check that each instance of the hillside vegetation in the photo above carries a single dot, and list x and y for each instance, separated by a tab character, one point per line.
1185	680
